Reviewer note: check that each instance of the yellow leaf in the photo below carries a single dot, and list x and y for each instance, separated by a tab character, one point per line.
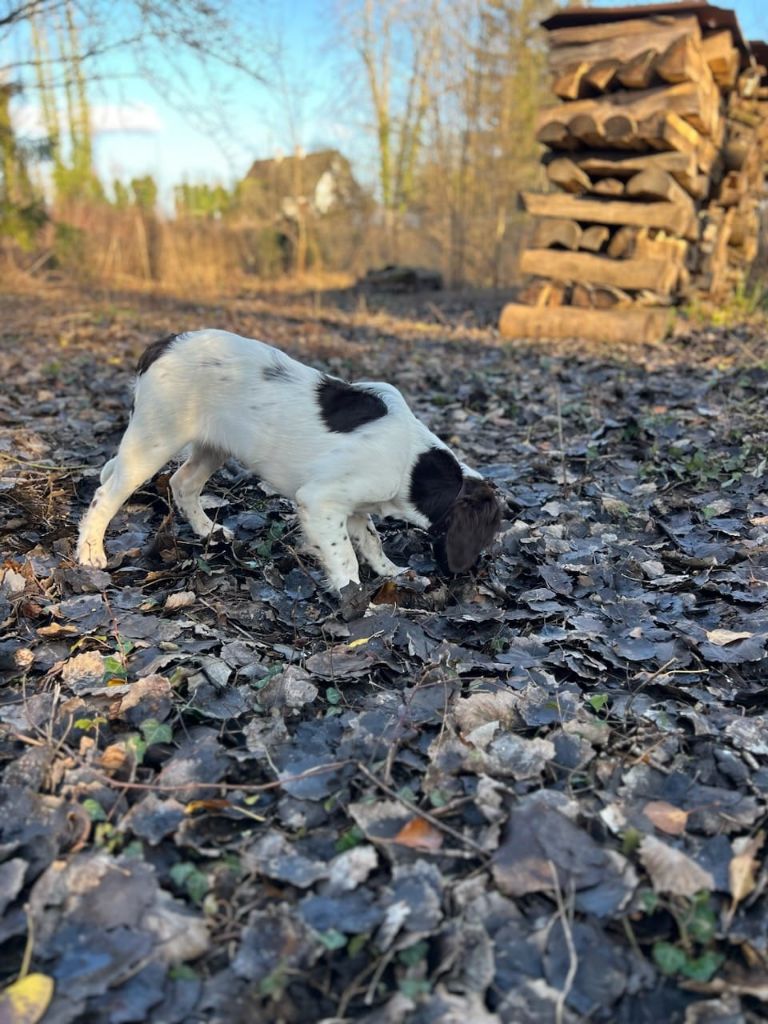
666	817
26	1000
116	681
741	870
358	643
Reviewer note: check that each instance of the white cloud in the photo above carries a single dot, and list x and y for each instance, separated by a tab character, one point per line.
106	119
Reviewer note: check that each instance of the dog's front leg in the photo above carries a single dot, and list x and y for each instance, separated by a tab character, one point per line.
324	524
367	541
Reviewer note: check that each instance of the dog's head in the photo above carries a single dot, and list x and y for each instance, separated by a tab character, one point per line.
468	527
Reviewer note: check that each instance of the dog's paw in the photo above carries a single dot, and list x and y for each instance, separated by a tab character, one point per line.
91	555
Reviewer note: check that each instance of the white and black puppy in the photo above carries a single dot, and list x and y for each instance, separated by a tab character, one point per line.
340	451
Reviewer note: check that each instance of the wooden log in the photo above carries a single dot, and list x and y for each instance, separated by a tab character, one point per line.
682	167
608	187
632	274
737	151
556	231
695	102
623	326
601	74
660	247
658	186
568	85
722	57
541	292
589	296
623	45
638	73
733	187
586	129
594	237
669	216
683	61
567	175
668	131
622	242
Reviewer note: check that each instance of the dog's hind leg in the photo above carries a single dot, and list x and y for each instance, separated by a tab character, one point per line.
138	458
187	484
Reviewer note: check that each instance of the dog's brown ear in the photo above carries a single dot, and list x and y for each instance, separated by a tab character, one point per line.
472	524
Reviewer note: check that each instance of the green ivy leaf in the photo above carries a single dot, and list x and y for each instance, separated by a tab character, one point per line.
413	954
597	701
668	958
155	732
349	839
333	939
95	810
702	967
332	695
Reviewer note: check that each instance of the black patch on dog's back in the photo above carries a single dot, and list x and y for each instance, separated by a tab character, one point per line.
153	352
345	407
436	480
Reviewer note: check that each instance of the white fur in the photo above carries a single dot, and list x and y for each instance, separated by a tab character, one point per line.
208	390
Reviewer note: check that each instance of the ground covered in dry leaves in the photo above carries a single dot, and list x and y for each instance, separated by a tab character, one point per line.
536	795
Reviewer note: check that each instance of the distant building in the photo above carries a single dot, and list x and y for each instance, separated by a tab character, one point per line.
319	183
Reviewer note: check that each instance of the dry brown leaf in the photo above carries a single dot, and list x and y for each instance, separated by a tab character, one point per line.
671	870
721	637
418	834
741	870
181	599
666	817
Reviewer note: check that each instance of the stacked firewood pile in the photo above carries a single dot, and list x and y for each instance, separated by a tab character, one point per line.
658	147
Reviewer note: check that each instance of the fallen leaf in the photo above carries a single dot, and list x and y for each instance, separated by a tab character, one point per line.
26	1000
358	643
418	834
741	870
673	871
666	817
181	599
721	637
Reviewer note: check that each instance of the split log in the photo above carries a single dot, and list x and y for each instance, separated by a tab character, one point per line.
569	85
669	131
659	186
722	57
594	237
622	242
608	187
638	73
543	293
632	274
683	61
670	216
601	75
567	175
662	247
733	187
588	296
556	231
613	326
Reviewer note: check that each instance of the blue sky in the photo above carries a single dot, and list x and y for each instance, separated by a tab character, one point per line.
213	135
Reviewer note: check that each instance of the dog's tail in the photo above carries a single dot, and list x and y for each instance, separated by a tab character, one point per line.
108	470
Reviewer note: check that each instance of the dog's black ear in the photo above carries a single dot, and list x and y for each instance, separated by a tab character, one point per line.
472	524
